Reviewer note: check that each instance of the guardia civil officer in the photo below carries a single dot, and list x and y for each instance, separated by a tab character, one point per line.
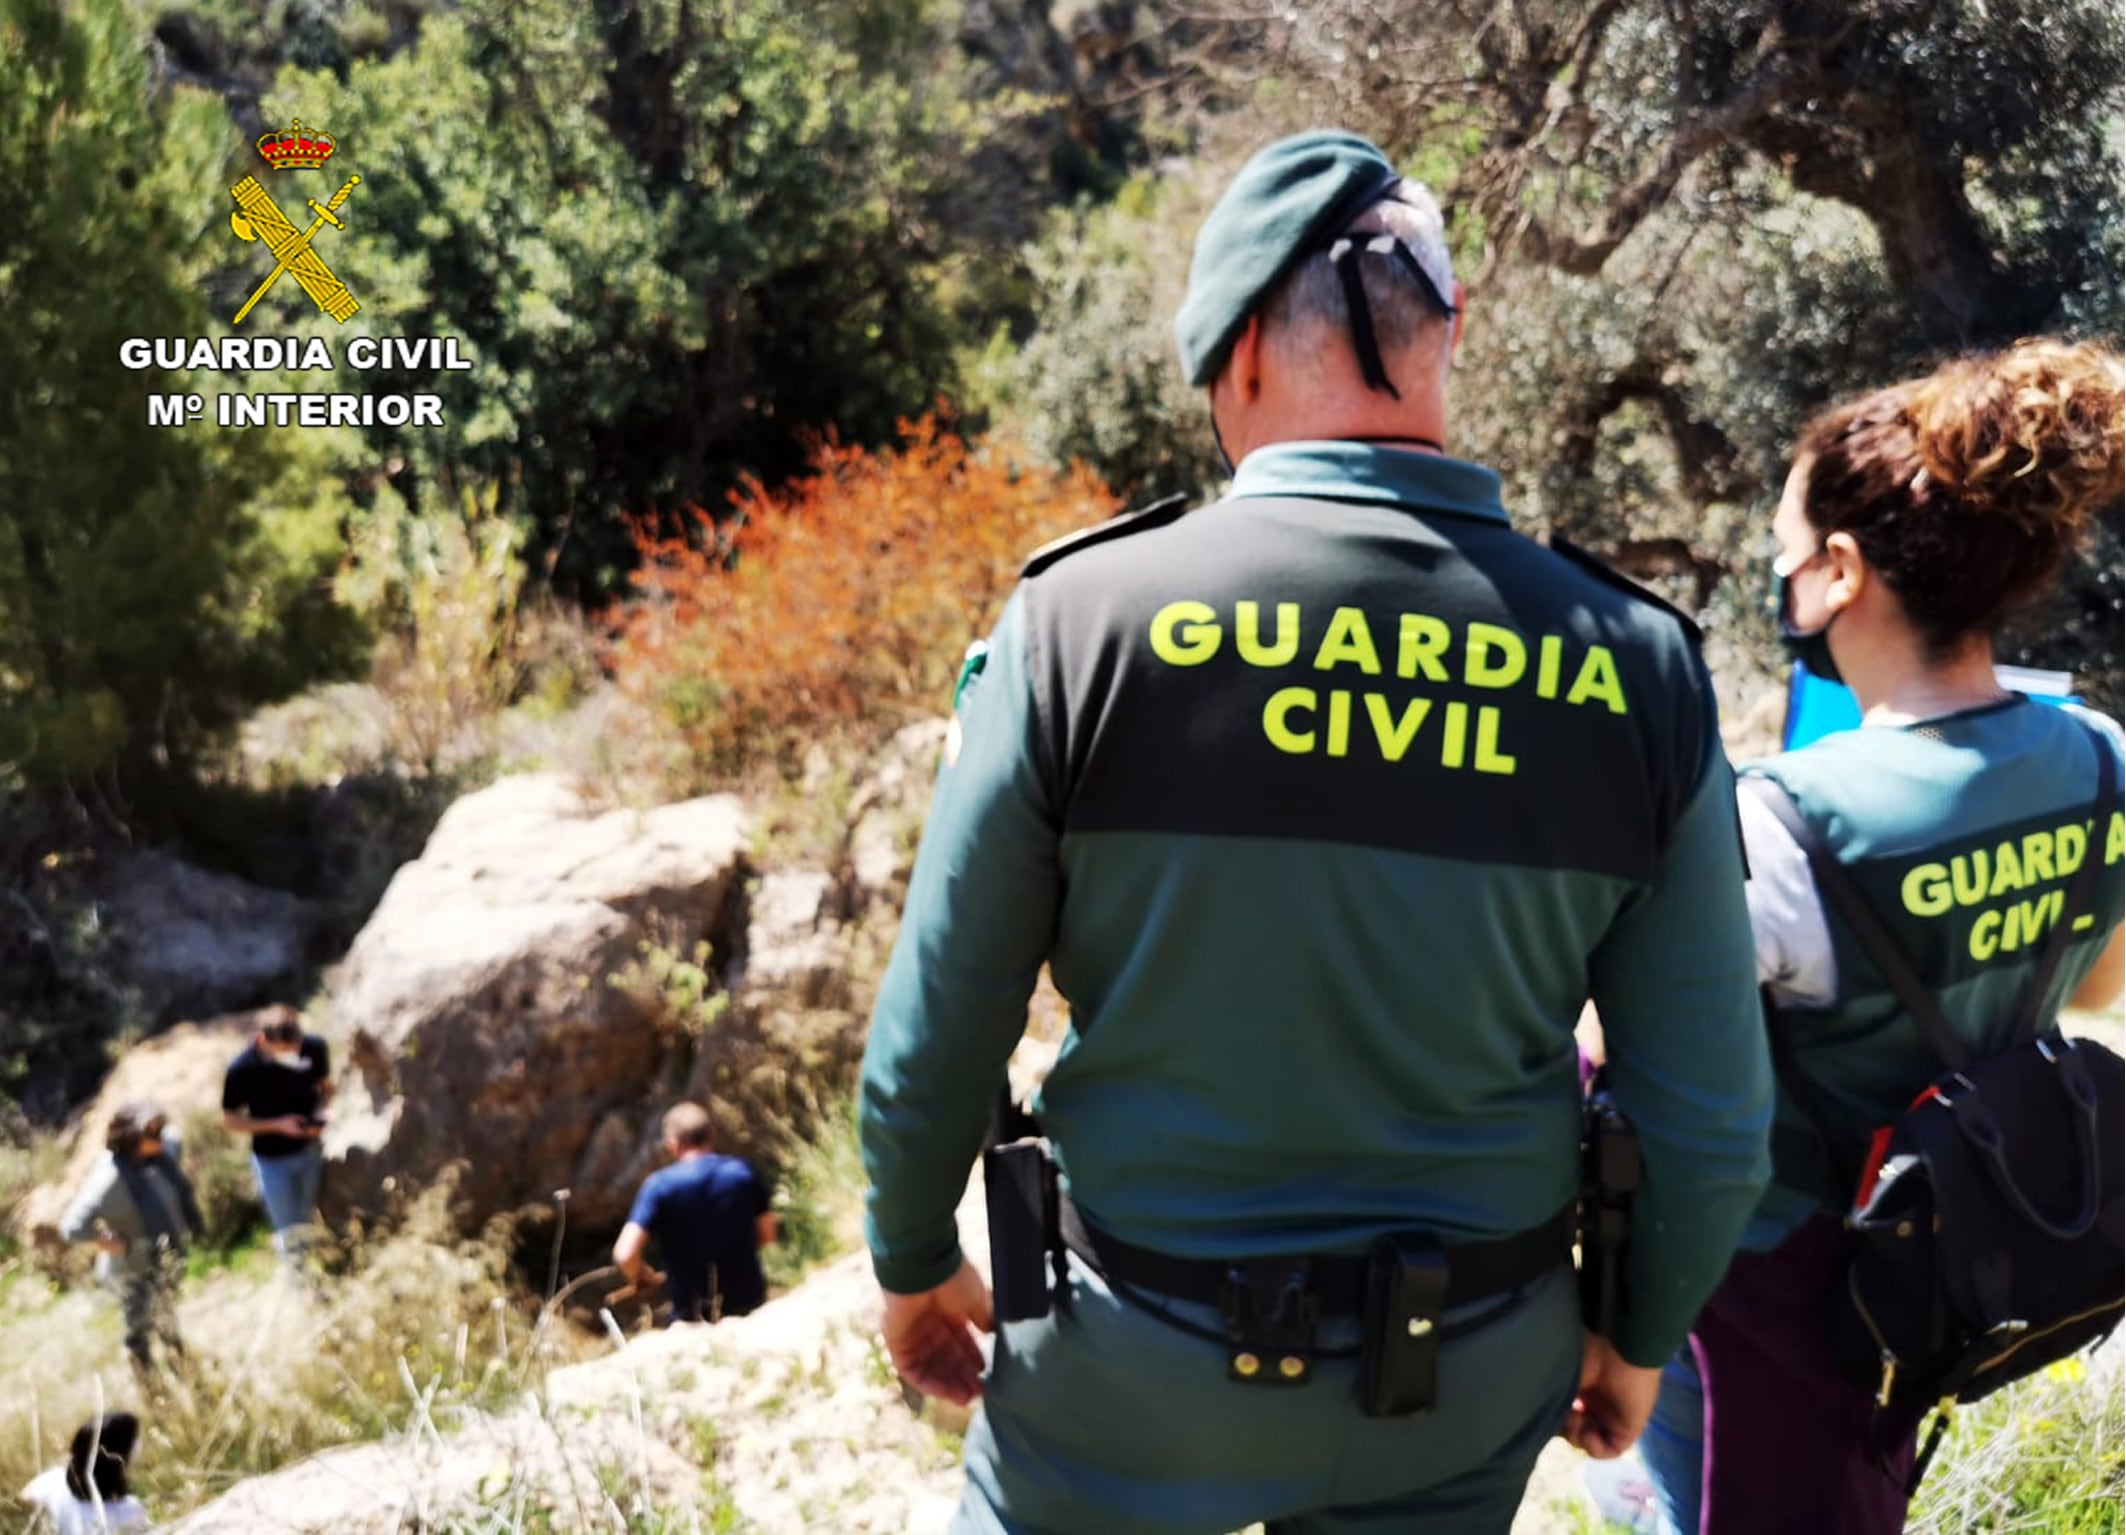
1328	806
1914	520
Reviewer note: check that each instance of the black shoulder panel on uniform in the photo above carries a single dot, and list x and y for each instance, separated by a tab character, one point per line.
1158	514
1600	569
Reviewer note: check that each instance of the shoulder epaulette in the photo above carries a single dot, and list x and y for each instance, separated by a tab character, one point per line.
1158	514
1602	570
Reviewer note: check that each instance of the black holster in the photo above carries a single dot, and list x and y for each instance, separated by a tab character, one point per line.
1406	1290
1025	1231
1612	1169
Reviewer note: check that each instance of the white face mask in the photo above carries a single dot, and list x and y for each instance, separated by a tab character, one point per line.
290	1058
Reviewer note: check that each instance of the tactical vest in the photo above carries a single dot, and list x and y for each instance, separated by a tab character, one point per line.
1962	833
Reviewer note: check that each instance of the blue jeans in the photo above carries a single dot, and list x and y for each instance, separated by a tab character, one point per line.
288	1185
1673	1445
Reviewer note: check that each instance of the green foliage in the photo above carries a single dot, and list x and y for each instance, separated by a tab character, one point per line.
679	987
446	588
819	1190
1685	229
153	581
670	235
1097	383
59	1006
219	1165
2046	1455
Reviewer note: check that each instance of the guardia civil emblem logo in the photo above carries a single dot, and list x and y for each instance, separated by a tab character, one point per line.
258	218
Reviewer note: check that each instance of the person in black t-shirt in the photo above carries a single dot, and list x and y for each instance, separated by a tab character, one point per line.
276	1092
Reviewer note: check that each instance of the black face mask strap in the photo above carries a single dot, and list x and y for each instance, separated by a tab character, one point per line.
1416	269
1343	256
1218	437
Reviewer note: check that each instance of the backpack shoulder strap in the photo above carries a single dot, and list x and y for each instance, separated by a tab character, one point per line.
2030	1017
1841	895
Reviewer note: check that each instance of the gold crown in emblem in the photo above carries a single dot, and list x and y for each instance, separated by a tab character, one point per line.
295	149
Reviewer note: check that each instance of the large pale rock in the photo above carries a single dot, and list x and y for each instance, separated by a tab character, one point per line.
180	1069
887	813
195	943
494	1473
478	1013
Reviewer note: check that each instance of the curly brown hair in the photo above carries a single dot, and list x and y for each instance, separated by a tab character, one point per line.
1965	489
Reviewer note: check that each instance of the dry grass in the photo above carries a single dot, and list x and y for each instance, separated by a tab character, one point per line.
419	1325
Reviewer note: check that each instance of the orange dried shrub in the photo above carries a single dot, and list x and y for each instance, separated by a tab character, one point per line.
844	598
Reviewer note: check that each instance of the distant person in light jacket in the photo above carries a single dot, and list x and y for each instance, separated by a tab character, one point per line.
139	1209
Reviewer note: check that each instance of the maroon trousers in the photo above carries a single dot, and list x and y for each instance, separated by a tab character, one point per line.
1791	1445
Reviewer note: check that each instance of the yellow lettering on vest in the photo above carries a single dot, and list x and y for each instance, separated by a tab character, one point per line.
1350	640
1454	745
1339	723
1489	759
1422	640
1985	935
1926	890
1247	634
1549	657
1396	735
1967	872
1185	633
2027	921
1481	671
2037	857
2071	845
1276	714
1598	679
2115	839
2007	871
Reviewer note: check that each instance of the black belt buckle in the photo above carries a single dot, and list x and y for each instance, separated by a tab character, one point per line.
1270	1316
1406	1291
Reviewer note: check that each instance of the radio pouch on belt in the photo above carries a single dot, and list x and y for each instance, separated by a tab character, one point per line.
1019	1184
1406	1290
1612	1170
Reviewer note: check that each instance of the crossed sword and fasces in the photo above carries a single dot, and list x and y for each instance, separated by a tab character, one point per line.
259	217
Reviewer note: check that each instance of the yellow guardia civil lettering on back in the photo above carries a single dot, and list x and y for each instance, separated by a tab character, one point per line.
1185	633
1396	724
1995	875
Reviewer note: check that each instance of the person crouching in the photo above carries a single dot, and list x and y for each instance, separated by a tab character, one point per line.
710	1217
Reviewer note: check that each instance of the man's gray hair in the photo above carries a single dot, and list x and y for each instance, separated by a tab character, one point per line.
1310	306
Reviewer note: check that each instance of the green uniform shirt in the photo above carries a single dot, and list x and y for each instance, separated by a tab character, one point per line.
1328	805
1962	832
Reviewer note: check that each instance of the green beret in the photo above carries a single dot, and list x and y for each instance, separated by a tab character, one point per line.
1291	198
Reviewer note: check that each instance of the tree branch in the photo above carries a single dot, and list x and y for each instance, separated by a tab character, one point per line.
1587	254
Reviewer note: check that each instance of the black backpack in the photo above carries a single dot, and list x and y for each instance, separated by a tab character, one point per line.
1987	1231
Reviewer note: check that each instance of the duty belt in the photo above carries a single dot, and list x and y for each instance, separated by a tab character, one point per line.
1271	1305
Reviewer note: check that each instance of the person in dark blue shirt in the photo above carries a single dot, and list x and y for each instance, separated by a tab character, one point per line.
710	1217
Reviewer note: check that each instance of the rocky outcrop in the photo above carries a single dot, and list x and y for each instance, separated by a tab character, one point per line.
194	943
548	977
493	1469
181	1069
478	1011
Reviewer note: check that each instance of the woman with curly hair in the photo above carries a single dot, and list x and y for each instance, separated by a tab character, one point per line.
1914	521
